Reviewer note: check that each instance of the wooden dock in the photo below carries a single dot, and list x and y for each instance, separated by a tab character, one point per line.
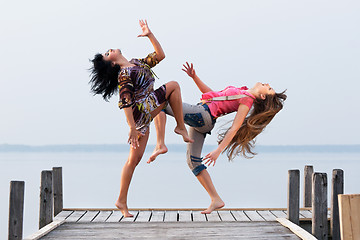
173	224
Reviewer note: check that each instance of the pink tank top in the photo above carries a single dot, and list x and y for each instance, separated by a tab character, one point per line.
218	108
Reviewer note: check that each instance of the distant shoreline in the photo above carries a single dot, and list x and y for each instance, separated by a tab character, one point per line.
172	147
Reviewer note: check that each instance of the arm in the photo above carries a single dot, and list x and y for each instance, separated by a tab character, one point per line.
238	121
160	55
133	134
189	69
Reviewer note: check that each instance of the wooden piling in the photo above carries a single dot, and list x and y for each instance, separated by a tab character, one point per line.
46	199
308	172
16	210
58	190
319	206
293	196
336	189
349	209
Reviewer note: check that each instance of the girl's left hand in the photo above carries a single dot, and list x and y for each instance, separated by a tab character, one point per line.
211	157
145	28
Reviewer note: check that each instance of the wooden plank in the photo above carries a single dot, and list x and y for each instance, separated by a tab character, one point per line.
293	198
58	190
213	217
198	216
267	215
116	216
45	230
75	216
226	216
88	216
157	216
349	207
173	230
279	214
102	216
143	216
337	187
306	213
16	210
46	199
171	216
240	216
303	234
254	216
185	216
319	206
63	215
308	172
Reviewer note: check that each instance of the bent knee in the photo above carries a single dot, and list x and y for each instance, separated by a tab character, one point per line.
172	85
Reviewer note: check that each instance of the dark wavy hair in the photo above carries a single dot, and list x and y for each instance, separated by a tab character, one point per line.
104	77
263	112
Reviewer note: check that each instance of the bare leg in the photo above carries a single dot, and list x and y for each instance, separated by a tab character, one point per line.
173	93
160	122
135	156
216	202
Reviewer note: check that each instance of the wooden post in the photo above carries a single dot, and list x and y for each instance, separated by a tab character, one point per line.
293	196
46	199
337	188
319	206
16	210
349	208
58	190
308	172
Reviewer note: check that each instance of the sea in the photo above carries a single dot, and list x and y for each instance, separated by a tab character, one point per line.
91	177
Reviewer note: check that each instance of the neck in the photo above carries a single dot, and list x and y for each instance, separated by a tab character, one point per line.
254	92
123	62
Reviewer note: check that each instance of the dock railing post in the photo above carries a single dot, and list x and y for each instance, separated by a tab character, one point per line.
293	196
46	199
58	190
349	209
16	210
319	206
308	172
336	189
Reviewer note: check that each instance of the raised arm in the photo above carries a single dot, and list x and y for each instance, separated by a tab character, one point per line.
238	121
189	69
160	55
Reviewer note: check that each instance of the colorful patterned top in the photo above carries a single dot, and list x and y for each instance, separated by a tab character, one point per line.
219	108
136	90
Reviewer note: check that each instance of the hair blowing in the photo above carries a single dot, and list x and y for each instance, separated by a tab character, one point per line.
244	140
104	77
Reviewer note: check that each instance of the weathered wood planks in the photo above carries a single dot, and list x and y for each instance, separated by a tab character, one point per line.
173	230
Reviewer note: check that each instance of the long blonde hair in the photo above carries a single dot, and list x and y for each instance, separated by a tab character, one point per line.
263	112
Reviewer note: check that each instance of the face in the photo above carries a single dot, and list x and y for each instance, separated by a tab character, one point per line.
264	89
112	55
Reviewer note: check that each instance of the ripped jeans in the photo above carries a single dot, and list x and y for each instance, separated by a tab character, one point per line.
201	122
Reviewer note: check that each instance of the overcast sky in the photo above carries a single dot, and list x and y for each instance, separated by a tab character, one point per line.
309	47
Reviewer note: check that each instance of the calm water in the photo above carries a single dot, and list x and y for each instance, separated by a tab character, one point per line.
92	180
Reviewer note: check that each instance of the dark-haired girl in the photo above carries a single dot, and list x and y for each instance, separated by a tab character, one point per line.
134	80
261	99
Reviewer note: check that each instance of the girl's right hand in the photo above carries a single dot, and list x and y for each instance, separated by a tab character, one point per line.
189	69
134	136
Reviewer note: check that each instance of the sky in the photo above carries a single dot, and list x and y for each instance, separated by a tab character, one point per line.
309	47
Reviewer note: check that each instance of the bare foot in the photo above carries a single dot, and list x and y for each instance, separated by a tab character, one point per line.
213	206
124	209
157	151
184	134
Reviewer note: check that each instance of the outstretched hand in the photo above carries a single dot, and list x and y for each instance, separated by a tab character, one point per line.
189	69
145	28
211	158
